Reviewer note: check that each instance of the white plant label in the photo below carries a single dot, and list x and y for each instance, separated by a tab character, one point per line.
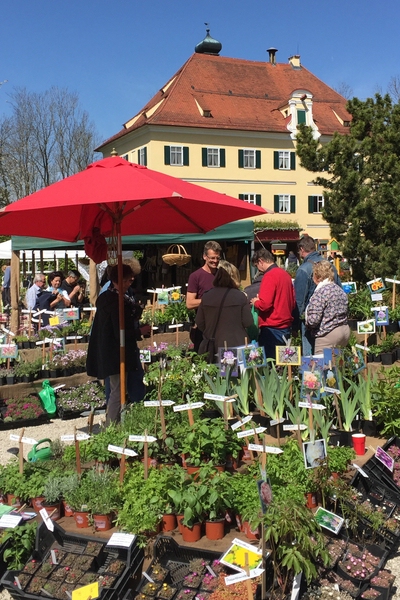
248	432
46	519
331	390
218	398
181	407
142	438
392	281
119	450
267	449
121	539
25	440
156	403
175	326
230	579
313	406
240	423
361	471
276	421
294	427
80	437
53	557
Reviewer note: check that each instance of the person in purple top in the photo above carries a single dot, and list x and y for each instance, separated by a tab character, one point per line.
201	281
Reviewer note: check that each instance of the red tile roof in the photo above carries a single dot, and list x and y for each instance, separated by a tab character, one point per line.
241	95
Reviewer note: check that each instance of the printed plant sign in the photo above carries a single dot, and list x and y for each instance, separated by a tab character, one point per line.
312	363
333	356
366	326
328	520
265	493
314	453
235	556
71	314
288	355
350	287
254	356
357	362
175	295
8	351
382	316
58	345
145	356
376	286
311	384
228	359
384	458
330	378
163	297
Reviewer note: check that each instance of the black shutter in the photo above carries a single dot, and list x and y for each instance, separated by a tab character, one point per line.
204	162
185	156
276	204
145	157
258	159
241	159
167	155
258	199
292	204
276	159
241	196
311	204
293	161
222	157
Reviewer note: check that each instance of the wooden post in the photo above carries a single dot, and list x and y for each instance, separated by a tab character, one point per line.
21	452
122	465
78	454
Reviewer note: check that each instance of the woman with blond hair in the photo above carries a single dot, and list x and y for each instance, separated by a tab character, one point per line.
326	313
224	311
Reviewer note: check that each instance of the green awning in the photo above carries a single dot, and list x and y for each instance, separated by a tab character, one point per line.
239	231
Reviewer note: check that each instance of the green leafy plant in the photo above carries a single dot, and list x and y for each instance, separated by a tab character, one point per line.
348	401
22	542
385	399
219	492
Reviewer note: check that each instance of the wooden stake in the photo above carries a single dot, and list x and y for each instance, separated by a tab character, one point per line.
21	452
162	414
394	296
248	581
78	454
122	465
190	417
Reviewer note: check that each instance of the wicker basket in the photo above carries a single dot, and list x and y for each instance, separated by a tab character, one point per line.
176	255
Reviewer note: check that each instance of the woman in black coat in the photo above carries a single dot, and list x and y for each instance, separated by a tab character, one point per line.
103	358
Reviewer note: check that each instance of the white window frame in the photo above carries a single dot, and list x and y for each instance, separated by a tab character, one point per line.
213	157
284	160
249	158
142	156
176	156
319	204
250	198
284	202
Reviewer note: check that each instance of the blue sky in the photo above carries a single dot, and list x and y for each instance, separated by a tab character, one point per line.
117	53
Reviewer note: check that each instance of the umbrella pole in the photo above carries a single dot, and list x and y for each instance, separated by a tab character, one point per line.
121	318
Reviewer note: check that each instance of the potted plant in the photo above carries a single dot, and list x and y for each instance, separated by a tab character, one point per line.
52	493
68	484
350	408
217	501
104	497
77	498
339	458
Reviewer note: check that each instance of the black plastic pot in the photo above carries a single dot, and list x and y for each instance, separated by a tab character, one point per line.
10	379
387	358
368	428
377	358
345	438
393	327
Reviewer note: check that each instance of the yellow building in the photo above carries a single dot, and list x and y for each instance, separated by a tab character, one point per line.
230	125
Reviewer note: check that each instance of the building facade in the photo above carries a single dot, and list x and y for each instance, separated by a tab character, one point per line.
230	125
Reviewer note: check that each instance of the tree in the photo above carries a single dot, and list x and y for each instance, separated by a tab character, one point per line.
344	89
394	88
361	181
47	137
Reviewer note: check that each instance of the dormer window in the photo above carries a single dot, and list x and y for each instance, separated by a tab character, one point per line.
301	117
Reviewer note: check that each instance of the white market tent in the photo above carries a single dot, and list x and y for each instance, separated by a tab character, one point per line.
6	251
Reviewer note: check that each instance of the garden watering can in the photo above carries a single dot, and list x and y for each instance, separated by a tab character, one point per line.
37	453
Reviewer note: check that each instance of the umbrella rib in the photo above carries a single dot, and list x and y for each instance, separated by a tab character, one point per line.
200	229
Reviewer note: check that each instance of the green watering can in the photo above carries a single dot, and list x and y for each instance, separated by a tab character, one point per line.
37	453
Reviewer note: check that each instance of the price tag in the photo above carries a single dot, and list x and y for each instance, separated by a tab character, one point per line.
148	403
118	450
121	539
10	521
181	407
267	449
142	438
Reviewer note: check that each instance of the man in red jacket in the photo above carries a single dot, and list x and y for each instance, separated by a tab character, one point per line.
275	303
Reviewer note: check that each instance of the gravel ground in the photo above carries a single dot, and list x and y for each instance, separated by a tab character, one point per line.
57	427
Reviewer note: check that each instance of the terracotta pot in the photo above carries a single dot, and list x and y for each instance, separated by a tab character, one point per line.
335	476
231	463
102	522
12	500
54	510
192	470
248	532
311	500
169	522
37	503
151	462
179	521
81	519
215	530
221	468
68	512
191	534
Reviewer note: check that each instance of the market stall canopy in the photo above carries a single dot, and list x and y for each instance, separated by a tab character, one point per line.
7	247
238	231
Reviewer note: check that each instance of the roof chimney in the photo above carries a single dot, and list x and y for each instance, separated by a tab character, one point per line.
295	61
272	52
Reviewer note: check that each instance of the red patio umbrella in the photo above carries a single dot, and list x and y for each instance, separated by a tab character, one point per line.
116	197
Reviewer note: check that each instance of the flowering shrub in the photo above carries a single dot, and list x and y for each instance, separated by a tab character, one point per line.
71	359
81	397
23	408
